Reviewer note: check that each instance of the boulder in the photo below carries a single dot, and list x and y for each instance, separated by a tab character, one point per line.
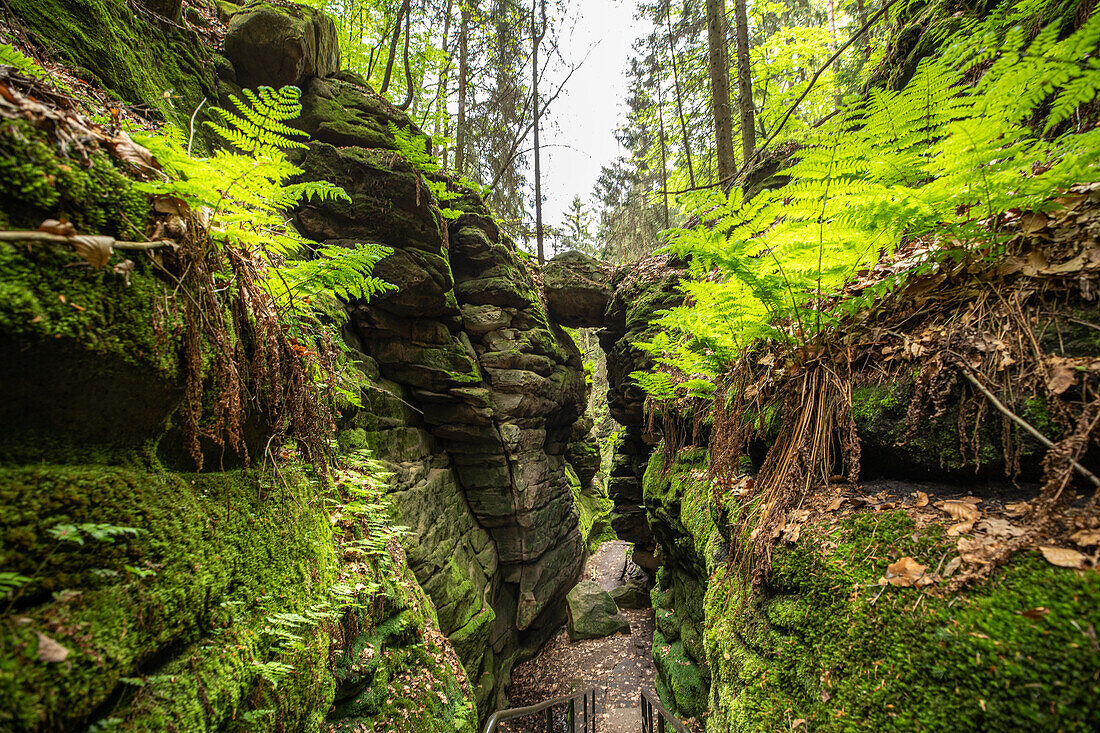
578	288
632	594
593	613
273	45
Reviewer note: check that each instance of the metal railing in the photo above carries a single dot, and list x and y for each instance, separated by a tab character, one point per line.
580	706
653	711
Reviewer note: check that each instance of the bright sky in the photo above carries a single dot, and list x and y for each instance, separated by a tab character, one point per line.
584	117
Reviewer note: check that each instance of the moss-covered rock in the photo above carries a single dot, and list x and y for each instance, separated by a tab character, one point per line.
825	643
142	60
174	623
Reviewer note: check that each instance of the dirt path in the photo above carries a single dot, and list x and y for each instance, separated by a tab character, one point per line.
617	666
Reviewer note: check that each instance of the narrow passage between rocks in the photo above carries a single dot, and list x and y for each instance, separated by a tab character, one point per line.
618	666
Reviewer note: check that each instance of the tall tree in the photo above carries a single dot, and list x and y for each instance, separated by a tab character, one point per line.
463	85
719	71
744	81
538	31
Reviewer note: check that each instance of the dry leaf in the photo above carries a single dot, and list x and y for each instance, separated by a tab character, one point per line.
1062	377
49	650
1063	558
1000	527
905	573
922	498
124	268
130	152
835	504
1086	537
170	205
1031	223
95	249
1018	509
53	226
963	511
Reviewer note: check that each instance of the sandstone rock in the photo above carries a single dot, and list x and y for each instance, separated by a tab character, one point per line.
593	613
632	594
275	45
578	289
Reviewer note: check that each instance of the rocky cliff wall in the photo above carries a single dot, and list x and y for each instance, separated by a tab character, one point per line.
476	394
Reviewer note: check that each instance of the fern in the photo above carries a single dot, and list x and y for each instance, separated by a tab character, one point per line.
938	160
258	126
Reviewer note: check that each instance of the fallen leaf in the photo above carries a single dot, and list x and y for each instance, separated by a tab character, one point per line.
1063	558
124	268
170	205
904	573
835	504
1000	527
1035	613
1031	223
53	226
1086	537
95	249
922	498
49	650
976	549
1018	509
963	511
126	150
1062	377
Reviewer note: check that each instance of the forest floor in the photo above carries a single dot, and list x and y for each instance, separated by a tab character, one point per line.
617	666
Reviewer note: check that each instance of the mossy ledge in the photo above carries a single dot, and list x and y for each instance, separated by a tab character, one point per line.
824	643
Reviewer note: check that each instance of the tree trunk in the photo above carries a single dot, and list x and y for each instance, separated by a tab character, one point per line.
719	64
463	82
830	11
679	96
661	121
744	82
441	116
393	46
536	39
861	16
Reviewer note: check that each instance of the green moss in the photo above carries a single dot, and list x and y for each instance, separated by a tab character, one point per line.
37	182
397	674
183	608
141	60
827	644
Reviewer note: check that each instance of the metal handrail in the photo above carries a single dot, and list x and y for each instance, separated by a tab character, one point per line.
651	705
588	705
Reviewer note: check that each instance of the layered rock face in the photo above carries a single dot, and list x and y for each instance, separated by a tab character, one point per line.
477	394
639	292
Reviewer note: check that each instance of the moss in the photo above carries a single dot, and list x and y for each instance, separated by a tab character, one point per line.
183	608
818	645
38	182
143	61
398	673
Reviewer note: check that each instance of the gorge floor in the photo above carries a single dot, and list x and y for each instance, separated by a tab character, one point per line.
619	666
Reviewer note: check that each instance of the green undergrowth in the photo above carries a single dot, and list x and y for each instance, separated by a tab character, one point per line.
826	644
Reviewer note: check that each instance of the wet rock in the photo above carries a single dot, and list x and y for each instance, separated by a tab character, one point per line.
276	45
593	613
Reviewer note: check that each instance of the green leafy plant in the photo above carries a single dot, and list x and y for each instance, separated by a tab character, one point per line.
281	287
941	161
